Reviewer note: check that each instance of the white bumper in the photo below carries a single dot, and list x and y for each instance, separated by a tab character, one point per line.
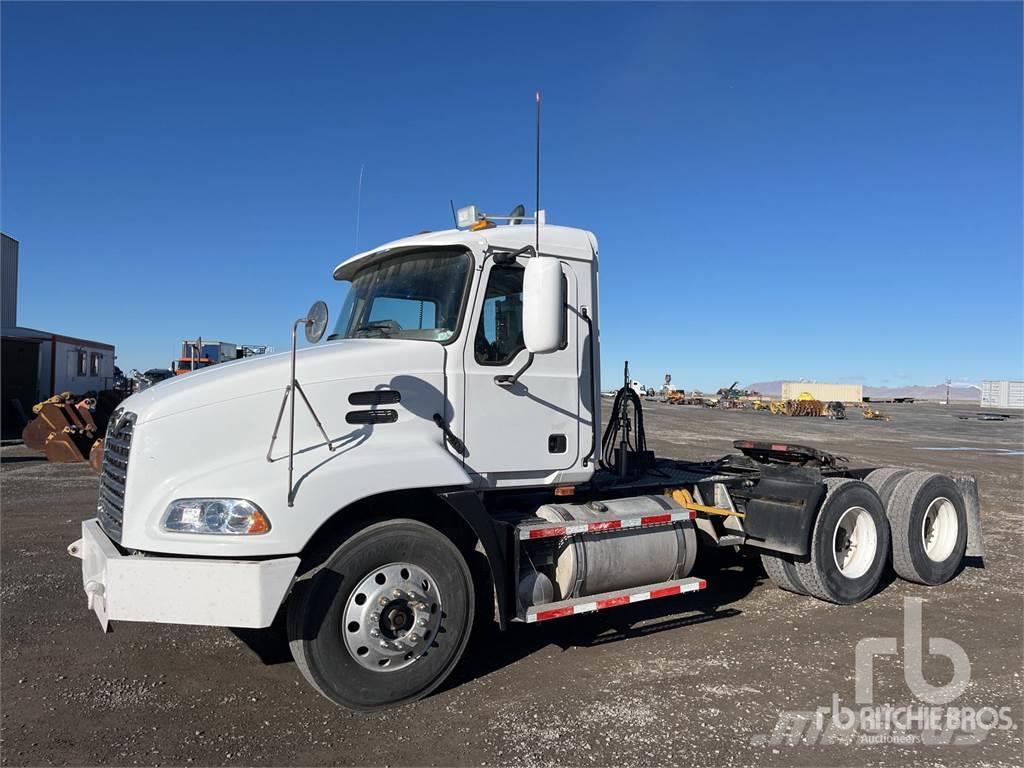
179	590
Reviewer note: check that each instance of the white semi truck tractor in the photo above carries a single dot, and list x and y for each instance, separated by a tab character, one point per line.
439	460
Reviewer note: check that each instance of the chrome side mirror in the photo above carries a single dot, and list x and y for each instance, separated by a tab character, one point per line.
316	322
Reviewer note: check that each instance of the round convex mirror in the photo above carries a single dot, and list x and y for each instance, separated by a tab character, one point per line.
316	322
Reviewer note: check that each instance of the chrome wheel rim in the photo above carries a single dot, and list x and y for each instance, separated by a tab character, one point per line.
939	529
392	617
854	542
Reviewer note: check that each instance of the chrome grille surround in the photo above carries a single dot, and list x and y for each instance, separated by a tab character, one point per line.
114	476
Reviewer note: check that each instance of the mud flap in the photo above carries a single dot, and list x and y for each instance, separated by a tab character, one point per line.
968	486
780	513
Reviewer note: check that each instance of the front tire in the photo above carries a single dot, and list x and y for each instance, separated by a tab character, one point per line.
385	619
849	544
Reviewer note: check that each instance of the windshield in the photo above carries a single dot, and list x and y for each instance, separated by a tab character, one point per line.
411	296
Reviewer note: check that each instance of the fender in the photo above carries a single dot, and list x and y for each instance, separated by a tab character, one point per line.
495	538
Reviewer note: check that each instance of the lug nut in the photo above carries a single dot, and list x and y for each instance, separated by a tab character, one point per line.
422	622
413	638
382	602
374	633
374	616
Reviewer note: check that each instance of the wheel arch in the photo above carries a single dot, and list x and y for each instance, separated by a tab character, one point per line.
458	514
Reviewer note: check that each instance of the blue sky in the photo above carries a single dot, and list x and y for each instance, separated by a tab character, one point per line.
830	191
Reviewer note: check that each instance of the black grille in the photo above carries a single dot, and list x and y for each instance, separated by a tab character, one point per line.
116	445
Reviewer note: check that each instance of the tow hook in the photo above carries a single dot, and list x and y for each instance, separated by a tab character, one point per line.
95	592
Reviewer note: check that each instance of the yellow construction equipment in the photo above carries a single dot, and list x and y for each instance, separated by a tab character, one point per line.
675	397
873	415
805	407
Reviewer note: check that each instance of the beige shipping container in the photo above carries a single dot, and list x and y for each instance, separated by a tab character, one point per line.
844	393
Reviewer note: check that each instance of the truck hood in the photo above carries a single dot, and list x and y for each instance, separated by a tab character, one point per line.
331	361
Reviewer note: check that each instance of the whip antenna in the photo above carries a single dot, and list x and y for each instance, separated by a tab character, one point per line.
536	214
359	202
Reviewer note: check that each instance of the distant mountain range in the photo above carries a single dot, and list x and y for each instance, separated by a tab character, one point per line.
917	391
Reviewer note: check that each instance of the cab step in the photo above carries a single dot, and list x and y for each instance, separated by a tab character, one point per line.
599	602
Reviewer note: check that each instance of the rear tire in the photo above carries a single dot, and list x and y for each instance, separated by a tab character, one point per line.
386	617
849	544
884	481
782	573
929	528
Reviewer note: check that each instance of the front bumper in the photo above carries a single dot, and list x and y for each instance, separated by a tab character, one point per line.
179	590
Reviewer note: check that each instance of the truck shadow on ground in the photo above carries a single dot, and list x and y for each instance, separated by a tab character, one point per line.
730	578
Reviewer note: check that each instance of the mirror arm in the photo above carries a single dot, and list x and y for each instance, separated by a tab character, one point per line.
509	257
510	381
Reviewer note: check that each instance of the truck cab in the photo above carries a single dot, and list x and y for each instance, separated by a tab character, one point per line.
522	419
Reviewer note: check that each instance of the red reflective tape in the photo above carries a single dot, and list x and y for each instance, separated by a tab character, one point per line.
607	525
779	447
665	592
611	602
655	519
557	613
702	584
541	533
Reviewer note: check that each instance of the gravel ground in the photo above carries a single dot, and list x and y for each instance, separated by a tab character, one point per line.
695	680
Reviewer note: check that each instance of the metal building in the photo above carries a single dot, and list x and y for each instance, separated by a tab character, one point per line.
8	281
1002	394
37	364
844	393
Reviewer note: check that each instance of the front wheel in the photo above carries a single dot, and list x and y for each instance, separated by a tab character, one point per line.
385	619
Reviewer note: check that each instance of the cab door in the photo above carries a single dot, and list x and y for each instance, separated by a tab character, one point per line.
533	425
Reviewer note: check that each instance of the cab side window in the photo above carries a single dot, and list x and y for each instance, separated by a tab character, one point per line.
499	335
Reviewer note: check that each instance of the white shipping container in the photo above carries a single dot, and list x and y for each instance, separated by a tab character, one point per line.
844	393
1002	394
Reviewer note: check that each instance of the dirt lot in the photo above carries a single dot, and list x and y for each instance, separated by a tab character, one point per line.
690	680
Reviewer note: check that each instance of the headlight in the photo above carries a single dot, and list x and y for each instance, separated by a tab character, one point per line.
236	517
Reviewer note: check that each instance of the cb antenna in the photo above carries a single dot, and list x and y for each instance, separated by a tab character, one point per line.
536	214
359	202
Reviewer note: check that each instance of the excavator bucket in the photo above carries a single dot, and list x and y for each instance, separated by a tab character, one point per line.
35	433
64	447
96	456
64	429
